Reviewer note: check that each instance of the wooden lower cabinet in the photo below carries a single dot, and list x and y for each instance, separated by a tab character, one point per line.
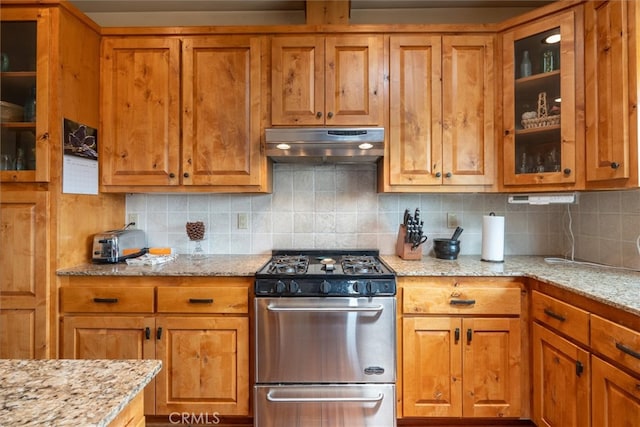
615	396
24	282
561	386
457	367
461	349
205	363
112	337
204	349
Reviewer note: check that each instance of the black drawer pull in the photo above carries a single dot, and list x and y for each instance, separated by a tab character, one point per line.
147	333
579	368
201	300
106	300
554	315
159	333
623	348
462	302
469	335
457	334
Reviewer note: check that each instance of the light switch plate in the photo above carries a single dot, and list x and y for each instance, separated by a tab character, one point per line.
243	221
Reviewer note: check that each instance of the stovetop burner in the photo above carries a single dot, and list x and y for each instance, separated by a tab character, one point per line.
288	264
325	273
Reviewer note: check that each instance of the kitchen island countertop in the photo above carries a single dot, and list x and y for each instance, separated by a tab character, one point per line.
70	392
618	288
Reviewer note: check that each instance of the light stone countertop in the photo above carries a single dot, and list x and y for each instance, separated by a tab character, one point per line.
614	287
70	392
183	265
618	288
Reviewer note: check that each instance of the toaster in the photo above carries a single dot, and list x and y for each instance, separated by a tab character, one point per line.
117	245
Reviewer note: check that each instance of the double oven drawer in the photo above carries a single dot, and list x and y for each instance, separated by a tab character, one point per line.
325	340
361	405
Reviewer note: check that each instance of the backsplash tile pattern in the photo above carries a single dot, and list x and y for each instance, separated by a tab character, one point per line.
336	206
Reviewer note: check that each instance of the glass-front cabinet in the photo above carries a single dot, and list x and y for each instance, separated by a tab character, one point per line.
539	103
23	86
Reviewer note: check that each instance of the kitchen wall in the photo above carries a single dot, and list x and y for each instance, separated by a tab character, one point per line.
336	206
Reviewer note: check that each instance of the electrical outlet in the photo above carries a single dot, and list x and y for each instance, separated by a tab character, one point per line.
134	219
452	220
243	221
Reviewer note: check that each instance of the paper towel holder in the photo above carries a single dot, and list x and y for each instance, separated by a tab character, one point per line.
496	257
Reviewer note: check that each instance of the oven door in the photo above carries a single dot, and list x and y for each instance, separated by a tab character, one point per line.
367	405
326	340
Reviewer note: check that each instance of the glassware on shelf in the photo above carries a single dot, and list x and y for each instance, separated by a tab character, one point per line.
525	65
30	107
20	160
547	61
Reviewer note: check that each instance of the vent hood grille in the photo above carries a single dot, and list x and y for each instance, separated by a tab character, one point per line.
324	145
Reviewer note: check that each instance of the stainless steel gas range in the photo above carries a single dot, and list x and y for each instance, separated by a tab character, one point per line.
325	340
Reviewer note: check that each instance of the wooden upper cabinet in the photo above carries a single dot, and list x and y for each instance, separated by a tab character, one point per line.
610	97
140	138
221	111
542	124
442	103
415	134
468	105
336	80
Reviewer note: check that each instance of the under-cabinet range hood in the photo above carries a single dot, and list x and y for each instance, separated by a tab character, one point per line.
325	144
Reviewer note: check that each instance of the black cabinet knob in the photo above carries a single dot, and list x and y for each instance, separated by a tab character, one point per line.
615	165
567	171
319	114
172	175
448	175
330	114
186	174
438	174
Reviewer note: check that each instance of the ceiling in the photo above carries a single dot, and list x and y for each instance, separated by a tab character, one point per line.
98	6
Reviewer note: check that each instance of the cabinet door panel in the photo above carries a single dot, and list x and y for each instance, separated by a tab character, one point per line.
432	367
297	80
140	111
221	121
468	104
615	396
415	134
205	365
491	367
24	278
93	337
560	389
607	90
353	80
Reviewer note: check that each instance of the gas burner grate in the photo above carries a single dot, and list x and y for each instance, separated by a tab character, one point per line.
289	264
360	264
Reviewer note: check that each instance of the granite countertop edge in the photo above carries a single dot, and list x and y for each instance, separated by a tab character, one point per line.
615	287
65	392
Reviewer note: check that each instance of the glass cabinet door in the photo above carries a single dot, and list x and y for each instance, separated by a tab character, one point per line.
539	103
23	153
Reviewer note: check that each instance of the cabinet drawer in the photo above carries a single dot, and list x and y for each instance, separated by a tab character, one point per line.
474	299
565	318
106	300
616	342
203	300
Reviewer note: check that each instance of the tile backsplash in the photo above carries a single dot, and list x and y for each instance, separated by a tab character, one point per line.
336	206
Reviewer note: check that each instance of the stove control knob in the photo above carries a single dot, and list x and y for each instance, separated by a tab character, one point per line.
356	287
280	287
294	287
371	289
325	287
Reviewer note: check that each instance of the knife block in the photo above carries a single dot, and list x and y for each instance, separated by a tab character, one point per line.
404	250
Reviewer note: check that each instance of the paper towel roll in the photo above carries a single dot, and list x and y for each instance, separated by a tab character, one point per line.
492	238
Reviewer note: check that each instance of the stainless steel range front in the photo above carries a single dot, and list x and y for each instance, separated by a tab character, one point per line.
325	340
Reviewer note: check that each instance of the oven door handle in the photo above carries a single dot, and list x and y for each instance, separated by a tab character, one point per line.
271	398
375	308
